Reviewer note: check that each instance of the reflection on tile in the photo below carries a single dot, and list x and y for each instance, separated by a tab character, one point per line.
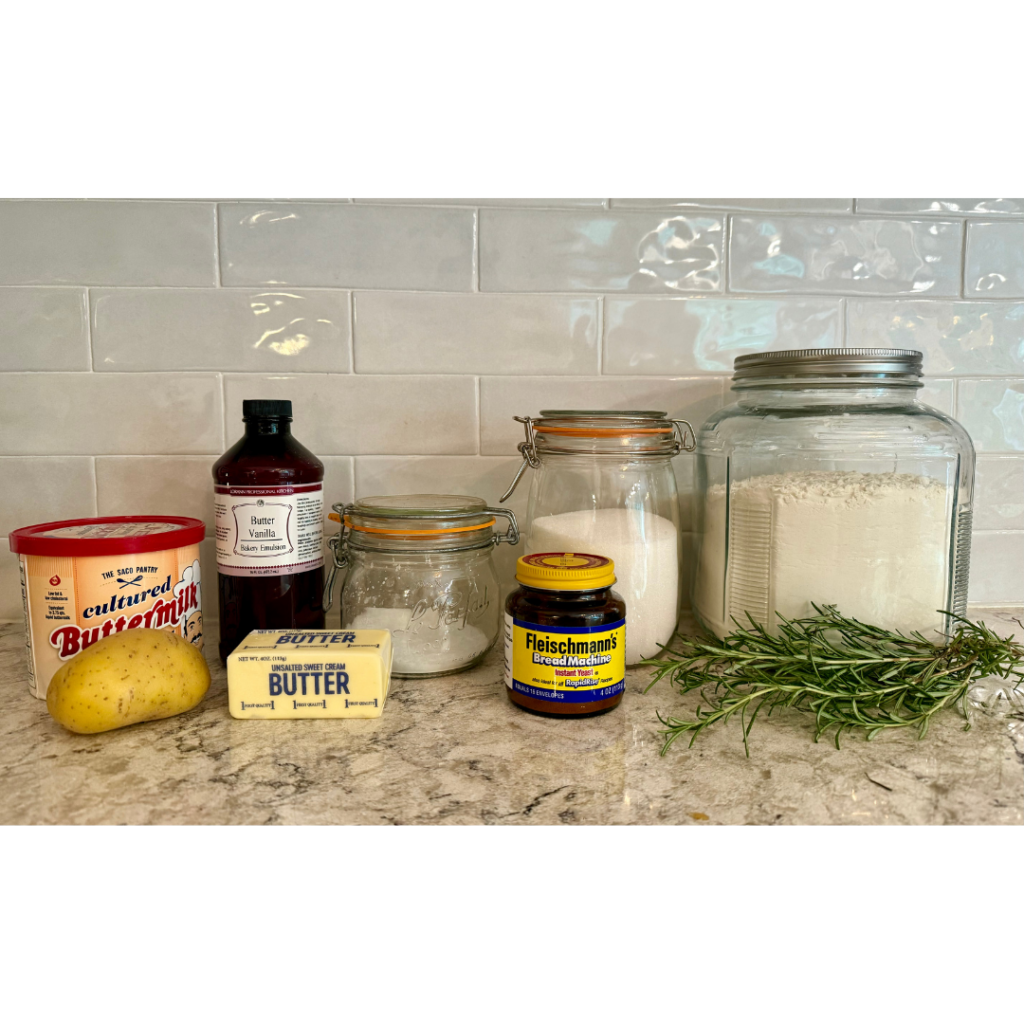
999	493
41	490
346	246
550	251
44	329
489	202
89	241
938	394
819	254
148	485
992	411
995	258
997	568
667	335
397	332
955	337
363	414
502	398
784	205
987	206
110	414
11	608
220	329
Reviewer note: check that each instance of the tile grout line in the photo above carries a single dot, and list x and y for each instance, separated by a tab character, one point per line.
844	325
352	331
476	249
479	418
216	245
963	262
600	335
88	329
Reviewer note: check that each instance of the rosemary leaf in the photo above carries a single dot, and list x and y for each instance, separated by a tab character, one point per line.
851	676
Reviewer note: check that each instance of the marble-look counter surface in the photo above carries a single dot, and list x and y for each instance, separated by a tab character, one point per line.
453	750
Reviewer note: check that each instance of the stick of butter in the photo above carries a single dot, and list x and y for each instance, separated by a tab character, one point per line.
311	673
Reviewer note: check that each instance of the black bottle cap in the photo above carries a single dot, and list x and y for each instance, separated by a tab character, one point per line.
266	408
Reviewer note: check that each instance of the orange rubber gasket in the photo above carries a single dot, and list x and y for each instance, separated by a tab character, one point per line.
419	533
602	431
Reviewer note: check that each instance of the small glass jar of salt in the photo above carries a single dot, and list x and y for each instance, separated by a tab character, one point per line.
421	566
604	483
828	483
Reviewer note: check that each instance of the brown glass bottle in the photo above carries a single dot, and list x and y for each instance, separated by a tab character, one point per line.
269	505
582	611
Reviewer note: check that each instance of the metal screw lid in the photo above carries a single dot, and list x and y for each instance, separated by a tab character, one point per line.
896	364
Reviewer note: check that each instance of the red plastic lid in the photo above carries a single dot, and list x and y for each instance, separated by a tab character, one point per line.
107	535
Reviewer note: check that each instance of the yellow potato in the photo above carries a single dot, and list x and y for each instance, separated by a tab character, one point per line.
138	675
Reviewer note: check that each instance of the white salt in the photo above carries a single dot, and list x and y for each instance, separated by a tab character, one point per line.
873	544
644	548
420	649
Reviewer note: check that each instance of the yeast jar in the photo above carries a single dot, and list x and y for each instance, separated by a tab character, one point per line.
84	579
827	481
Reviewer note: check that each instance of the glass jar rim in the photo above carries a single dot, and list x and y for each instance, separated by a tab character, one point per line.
830	366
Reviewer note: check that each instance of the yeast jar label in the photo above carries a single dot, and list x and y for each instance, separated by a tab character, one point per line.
565	664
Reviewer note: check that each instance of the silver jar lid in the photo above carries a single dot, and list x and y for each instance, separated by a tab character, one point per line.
895	365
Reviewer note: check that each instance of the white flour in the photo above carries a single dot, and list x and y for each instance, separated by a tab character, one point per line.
873	544
422	651
644	548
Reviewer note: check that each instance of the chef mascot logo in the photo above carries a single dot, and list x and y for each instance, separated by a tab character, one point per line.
192	628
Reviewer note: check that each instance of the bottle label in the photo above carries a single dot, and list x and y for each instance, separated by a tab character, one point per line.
565	664
269	531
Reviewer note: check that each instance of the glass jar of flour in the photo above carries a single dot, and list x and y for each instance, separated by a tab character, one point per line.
604	484
828	482
421	566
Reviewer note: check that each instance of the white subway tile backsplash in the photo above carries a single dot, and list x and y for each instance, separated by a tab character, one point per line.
360	414
41	490
502	398
240	329
994	264
844	255
999	493
11	607
87	241
409	332
683	336
490	202
965	337
992	411
399	332
44	329
156	485
110	414
938	394
346	246
628	251
782	205
969	206
997	568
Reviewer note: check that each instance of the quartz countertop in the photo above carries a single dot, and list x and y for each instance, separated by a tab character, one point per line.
454	750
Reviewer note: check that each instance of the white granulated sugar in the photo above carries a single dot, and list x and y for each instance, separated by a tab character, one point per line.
644	548
873	544
419	649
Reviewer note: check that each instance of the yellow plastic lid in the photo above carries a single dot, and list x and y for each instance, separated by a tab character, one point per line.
565	571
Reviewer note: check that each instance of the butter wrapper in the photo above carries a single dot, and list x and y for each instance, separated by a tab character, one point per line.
312	673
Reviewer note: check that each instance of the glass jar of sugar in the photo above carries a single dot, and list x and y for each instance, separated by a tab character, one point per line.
421	566
604	483
828	482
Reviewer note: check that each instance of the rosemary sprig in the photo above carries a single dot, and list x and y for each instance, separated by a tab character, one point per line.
848	674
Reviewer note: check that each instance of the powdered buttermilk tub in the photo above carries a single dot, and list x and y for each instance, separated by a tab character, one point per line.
83	579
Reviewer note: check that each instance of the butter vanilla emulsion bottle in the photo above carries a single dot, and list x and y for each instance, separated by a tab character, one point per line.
268	505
